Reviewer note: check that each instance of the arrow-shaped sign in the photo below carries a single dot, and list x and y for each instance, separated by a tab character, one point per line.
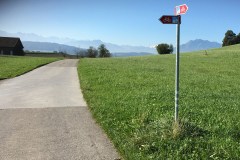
182	9
165	19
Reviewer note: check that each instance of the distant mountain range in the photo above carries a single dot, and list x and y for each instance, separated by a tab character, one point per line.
78	43
128	54
198	44
34	42
49	47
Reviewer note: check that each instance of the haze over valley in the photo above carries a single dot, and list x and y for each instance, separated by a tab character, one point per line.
34	42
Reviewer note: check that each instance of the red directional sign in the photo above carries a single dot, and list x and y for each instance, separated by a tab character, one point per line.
170	19
182	9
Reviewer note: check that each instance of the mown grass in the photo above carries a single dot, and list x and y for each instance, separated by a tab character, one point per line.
133	100
12	66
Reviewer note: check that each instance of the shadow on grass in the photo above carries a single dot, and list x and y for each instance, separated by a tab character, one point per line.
169	129
235	133
153	133
184	129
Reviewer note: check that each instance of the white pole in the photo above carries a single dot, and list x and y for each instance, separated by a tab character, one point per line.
177	70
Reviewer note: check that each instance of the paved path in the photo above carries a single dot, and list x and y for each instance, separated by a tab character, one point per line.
43	116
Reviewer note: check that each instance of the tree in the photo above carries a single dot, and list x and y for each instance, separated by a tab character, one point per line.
63	52
103	51
171	48
80	53
229	39
236	39
92	52
164	48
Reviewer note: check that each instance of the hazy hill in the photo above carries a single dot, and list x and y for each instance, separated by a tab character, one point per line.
198	44
192	45
49	47
78	43
128	54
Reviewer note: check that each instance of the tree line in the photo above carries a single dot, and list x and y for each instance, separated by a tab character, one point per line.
231	38
92	52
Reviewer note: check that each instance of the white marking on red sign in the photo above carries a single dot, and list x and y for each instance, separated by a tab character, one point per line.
182	9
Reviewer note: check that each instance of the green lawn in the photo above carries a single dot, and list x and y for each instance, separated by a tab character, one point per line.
12	66
133	100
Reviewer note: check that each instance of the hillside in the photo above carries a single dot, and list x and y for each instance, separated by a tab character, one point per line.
133	100
229	48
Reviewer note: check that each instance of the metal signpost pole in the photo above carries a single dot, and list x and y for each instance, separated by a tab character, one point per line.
177	69
176	19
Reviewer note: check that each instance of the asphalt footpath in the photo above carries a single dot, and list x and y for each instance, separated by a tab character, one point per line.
43	116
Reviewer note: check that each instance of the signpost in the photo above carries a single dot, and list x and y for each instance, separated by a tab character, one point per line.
182	9
176	19
170	19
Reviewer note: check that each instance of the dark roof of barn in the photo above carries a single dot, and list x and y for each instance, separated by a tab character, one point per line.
9	41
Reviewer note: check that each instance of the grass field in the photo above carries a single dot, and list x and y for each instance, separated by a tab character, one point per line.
12	66
133	100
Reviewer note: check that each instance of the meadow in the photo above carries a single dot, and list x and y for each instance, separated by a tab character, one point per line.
12	66
133	100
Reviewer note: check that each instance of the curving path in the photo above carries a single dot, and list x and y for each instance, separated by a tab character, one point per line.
43	116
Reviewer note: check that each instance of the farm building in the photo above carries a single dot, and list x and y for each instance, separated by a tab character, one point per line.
11	46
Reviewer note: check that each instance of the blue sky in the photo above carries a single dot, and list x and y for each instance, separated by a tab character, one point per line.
131	22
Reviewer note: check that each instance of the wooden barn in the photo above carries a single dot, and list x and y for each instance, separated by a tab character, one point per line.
11	46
